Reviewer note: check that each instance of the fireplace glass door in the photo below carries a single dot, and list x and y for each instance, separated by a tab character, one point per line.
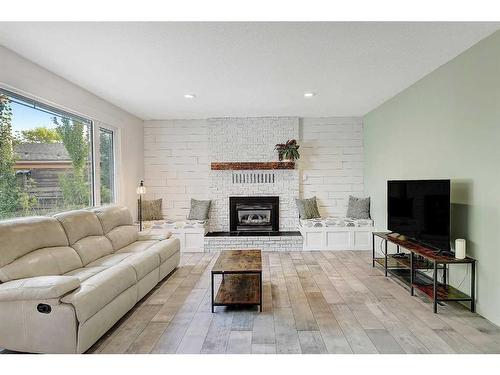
254	217
254	214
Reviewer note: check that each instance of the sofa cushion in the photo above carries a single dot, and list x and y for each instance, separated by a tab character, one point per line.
117	224
42	262
109	260
143	263
79	224
85	273
112	217
85	234
99	290
22	236
137	247
38	288
92	248
122	236
165	249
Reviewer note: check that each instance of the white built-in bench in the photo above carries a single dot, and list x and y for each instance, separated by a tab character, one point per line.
317	234
191	233
336	234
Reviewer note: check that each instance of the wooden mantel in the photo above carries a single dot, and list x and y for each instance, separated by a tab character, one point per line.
238	166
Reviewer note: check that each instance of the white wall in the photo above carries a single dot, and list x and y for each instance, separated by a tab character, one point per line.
27	78
331	161
177	156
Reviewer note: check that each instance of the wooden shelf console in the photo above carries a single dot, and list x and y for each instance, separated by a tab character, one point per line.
410	268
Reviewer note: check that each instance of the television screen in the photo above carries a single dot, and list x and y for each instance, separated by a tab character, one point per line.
420	210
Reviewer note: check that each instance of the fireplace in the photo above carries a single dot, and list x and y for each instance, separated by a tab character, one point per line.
254	214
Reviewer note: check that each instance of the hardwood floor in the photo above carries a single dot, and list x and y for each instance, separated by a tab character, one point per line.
314	302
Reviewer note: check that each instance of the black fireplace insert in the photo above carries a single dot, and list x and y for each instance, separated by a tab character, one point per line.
254	214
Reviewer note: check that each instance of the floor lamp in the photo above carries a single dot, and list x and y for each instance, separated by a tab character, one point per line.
141	190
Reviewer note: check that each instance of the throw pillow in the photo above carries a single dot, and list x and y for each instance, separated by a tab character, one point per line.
308	208
151	210
358	208
199	210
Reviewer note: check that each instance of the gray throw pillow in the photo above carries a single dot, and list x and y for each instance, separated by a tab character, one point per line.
308	208
358	208
151	210
199	210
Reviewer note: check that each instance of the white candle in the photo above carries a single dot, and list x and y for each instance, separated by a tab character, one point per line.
460	248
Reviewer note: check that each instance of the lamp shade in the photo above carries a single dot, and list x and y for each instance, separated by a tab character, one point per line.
141	189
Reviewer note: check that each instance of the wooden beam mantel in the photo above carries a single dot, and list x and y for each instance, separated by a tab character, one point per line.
238	166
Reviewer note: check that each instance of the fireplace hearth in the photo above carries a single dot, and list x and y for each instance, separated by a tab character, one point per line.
254	214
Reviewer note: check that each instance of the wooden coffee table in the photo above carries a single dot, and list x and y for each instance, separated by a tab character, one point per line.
241	284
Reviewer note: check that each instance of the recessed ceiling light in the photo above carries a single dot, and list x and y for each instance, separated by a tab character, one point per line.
309	94
189	96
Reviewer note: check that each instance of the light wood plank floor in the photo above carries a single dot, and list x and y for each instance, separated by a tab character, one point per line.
314	302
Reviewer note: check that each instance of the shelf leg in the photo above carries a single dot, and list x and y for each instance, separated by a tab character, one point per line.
412	291
435	288
373	250
385	260
473	287
445	274
213	293
260	292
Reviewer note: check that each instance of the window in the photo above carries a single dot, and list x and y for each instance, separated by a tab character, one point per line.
107	165
47	159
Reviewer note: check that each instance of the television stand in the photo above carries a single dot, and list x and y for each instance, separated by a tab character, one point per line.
423	269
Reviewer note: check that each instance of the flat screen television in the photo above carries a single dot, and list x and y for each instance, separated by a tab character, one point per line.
420	210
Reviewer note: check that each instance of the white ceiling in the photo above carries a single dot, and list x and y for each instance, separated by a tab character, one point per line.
243	69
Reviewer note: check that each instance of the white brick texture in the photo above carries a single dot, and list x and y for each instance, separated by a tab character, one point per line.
176	164
251	139
331	163
177	156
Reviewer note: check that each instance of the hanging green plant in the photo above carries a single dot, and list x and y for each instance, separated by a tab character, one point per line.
288	150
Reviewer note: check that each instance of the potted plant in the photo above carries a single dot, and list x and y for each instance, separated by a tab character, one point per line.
288	151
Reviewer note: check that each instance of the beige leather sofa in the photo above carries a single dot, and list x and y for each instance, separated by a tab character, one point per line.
67	279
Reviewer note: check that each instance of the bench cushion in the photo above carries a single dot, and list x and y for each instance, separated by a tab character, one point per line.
335	222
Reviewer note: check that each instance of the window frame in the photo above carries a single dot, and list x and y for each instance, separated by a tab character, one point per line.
94	131
97	161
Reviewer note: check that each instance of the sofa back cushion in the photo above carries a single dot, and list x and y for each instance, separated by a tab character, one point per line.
49	261
34	246
117	224
85	235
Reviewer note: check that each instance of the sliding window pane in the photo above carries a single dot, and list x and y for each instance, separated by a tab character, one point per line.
107	166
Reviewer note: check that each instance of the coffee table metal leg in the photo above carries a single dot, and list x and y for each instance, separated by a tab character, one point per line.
213	293
260	291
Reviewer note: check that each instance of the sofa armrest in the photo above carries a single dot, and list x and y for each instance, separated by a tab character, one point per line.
156	235
38	288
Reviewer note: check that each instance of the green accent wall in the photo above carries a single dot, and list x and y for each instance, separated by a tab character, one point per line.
447	125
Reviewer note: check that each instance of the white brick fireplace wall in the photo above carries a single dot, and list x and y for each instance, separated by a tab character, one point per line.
177	156
251	139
